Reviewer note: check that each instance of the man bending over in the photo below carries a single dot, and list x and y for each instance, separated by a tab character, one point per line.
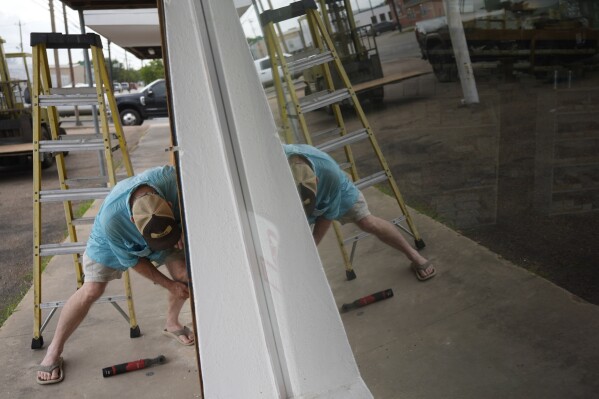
136	227
328	194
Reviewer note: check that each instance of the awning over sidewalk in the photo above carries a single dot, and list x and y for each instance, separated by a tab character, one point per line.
133	25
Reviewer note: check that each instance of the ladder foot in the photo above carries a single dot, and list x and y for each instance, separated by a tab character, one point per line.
135	332
350	274
37	343
420	243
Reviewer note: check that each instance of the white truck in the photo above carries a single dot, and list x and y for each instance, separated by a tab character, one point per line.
536	35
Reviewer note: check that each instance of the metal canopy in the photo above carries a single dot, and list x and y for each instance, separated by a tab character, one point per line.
86	5
139	38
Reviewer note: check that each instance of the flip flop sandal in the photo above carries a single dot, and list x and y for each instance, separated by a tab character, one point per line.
422	268
176	334
49	369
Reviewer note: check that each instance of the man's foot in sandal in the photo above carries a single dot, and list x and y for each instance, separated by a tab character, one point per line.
184	335
424	271
50	374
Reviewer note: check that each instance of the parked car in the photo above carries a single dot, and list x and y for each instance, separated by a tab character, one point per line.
149	103
125	86
264	69
383	26
116	86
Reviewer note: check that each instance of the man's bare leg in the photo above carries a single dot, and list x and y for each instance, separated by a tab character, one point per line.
73	312
178	271
390	235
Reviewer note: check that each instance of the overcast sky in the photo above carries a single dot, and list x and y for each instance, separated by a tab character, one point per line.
34	16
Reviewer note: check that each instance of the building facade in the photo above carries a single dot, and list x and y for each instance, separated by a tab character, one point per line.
412	11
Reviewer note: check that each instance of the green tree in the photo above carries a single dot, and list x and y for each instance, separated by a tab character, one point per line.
152	71
121	74
131	75
117	71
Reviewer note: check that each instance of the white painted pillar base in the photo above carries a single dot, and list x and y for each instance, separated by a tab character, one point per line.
267	323
460	51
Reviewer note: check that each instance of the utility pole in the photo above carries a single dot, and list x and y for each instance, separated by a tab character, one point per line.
56	61
301	29
21	35
88	69
72	72
372	11
111	71
460	50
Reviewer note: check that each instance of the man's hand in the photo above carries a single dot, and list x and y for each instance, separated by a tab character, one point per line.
179	289
146	269
179	244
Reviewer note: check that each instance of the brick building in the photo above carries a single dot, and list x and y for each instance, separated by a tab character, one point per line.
412	11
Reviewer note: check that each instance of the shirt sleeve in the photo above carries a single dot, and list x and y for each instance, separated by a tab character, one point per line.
330	202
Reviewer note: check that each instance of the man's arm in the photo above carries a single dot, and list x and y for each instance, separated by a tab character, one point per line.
321	226
147	269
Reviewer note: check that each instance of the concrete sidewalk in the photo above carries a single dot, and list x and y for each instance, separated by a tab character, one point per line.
482	328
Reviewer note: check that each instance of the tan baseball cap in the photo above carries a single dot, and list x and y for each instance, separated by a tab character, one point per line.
306	182
154	219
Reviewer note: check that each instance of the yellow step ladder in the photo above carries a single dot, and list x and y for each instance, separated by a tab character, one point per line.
293	110
45	97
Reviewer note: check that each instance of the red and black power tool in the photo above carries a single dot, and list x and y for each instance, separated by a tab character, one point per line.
367	300
132	366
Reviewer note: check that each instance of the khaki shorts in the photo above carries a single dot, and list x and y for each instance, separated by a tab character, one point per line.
357	212
98	273
95	272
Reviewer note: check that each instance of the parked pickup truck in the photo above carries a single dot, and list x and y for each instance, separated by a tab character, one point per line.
536	36
149	103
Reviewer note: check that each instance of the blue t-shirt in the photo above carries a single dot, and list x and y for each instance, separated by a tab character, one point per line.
114	241
335	192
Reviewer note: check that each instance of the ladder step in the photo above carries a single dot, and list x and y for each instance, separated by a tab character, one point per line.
93	180
69	96
65	248
309	59
327	132
361	235
371	180
83	221
104	299
322	99
344	140
345	165
73	91
72	145
73	194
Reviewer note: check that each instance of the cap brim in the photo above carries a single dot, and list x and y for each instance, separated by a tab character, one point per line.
160	244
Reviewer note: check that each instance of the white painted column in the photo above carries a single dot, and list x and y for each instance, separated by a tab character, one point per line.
267	323
460	51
